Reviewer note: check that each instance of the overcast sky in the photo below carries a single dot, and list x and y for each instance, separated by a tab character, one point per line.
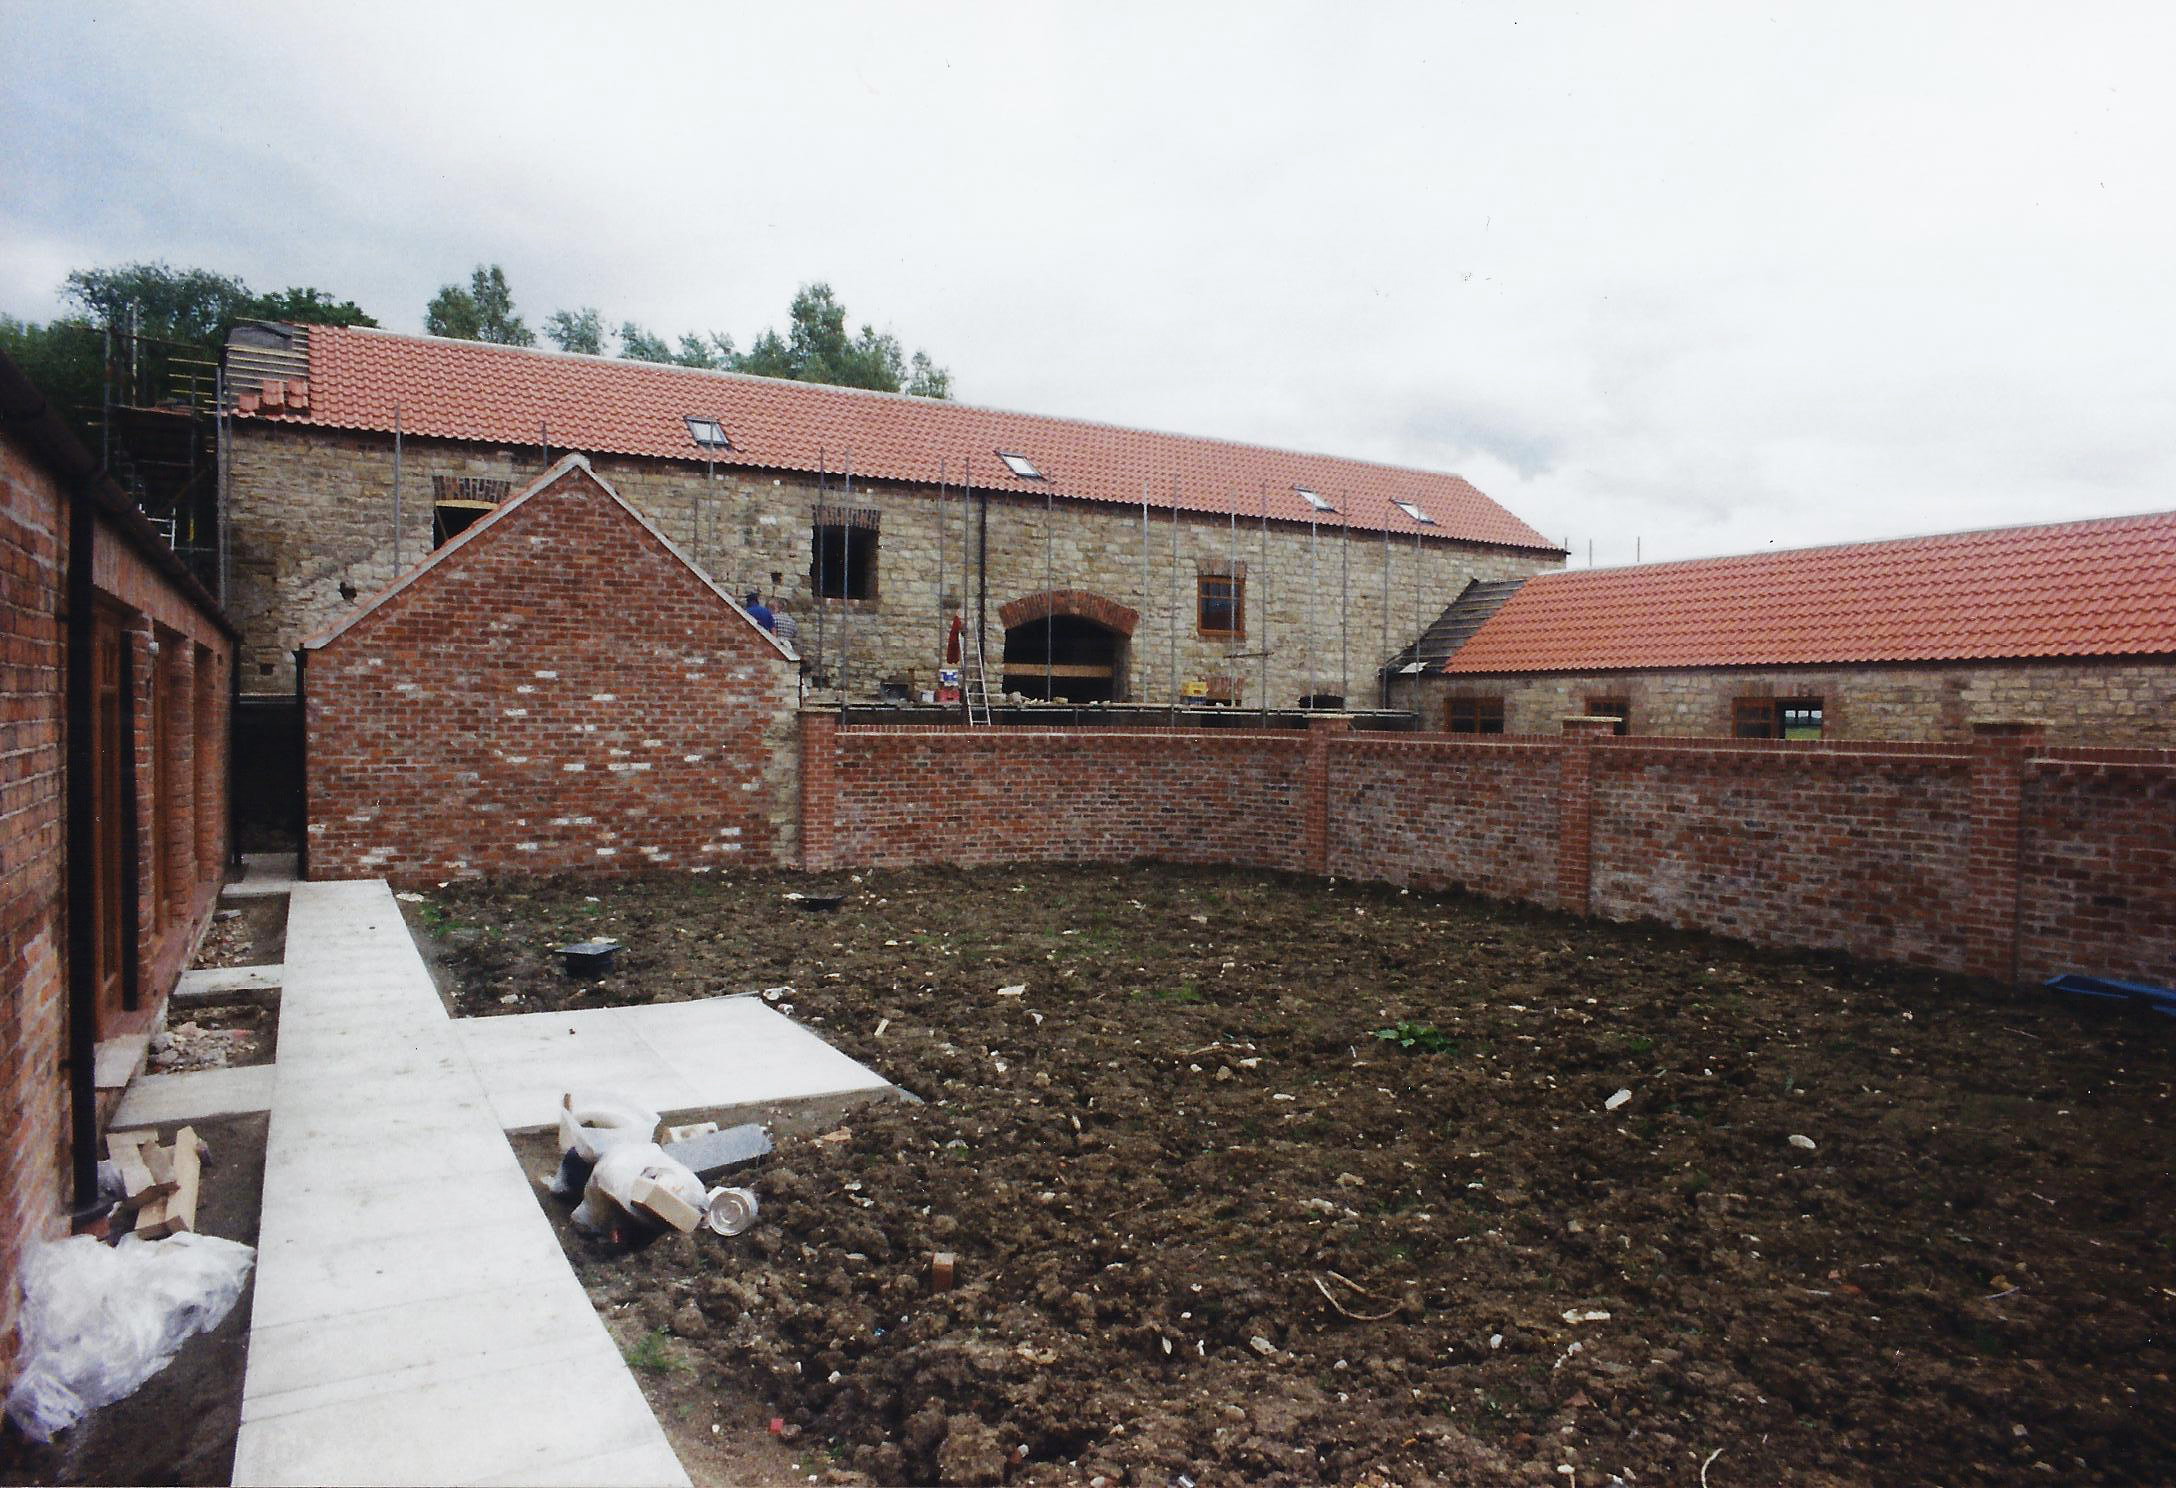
1716	279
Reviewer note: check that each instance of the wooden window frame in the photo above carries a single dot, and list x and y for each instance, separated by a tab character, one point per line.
1765	717
1473	713
1234	595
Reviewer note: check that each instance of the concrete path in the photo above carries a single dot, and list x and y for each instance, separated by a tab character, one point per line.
415	1318
194	986
263	873
673	1056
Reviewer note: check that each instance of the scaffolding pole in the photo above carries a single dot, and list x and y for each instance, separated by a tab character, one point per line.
1382	664
396	491
1234	613
1172	631
1050	621
1263	492
1144	583
1344	613
823	491
846	578
941	565
1314	534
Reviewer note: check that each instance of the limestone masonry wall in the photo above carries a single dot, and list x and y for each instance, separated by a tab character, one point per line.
312	532
2000	858
559	692
2117	701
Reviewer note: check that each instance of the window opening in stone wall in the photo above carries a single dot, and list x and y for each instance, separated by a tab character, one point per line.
1220	602
1776	718
1619	708
460	502
1332	702
843	553
1473	715
1800	718
1083	661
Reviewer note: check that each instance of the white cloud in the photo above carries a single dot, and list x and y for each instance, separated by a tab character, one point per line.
1709	278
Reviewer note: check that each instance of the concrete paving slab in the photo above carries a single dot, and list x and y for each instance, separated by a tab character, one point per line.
116	1060
263	873
457	1335
533	1421
197	1095
415	1318
676	1056
228	979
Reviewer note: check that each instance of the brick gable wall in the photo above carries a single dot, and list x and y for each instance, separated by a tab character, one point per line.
559	692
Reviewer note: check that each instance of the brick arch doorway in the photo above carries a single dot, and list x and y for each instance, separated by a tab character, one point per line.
1066	643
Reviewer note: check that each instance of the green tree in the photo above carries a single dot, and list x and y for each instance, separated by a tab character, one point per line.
65	360
302	306
639	345
482	312
815	347
577	330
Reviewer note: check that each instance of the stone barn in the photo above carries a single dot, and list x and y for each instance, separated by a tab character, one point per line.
1094	563
2073	623
557	688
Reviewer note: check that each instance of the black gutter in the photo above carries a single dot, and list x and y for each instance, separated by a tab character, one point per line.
82	861
302	724
132	832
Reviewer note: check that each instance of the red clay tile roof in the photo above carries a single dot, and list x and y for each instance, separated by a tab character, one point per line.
2101	588
505	395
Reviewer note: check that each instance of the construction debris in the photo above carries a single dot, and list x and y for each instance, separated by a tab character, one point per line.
715	1151
160	1184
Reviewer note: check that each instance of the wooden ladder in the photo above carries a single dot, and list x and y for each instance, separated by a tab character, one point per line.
976	680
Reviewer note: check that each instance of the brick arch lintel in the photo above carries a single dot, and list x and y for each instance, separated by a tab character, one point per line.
1083	603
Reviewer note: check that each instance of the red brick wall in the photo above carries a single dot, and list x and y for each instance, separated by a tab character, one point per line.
1434	812
557	691
1786	845
2097	864
34	1160
2001	858
996	795
33	934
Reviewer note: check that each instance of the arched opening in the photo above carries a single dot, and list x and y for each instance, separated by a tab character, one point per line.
1081	659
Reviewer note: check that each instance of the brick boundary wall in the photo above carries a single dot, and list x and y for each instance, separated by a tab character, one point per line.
2003	858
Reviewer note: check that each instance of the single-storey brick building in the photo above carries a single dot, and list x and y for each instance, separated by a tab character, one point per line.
1097	563
115	677
557	688
2073	622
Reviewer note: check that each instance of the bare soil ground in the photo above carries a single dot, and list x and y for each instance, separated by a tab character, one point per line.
247	932
180	1426
1209	1223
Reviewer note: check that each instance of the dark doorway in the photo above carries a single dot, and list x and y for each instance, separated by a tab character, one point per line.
1082	660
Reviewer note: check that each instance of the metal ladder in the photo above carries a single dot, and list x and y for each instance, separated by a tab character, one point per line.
976	681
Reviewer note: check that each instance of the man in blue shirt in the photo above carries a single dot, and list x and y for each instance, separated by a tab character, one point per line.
759	612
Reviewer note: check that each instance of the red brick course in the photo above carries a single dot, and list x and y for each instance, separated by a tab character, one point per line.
2001	859
556	691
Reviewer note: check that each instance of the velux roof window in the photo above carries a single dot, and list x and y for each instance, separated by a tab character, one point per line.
1318	502
708	432
1020	465
1413	511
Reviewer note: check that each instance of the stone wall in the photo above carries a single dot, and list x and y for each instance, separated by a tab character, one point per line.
312	531
2123	701
557	691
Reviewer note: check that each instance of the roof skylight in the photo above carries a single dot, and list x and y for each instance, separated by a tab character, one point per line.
1020	465
1318	502
707	432
1413	511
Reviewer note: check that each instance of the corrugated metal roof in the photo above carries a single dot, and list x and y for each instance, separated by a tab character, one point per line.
2097	588
471	390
